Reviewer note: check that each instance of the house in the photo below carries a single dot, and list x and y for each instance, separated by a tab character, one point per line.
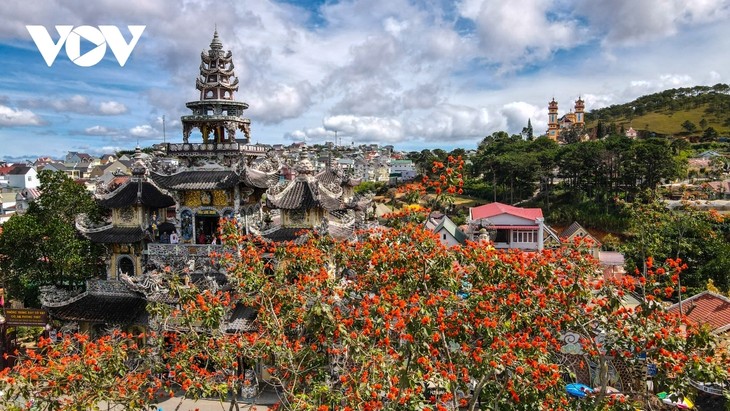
401	170
612	264
346	164
720	189
7	205
75	171
24	197
107	158
509	226
708	308
631	133
79	170
40	161
575	232
447	231
4	171
76	157
115	167
23	177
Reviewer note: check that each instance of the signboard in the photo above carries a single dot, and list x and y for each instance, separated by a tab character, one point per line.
25	317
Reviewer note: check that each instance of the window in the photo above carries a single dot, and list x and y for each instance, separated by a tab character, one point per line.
502	236
444	236
126	266
519	236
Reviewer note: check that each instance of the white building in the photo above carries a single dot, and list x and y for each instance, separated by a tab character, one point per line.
447	231
509	226
402	170
23	177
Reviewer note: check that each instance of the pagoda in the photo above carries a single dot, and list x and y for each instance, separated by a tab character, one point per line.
137	216
310	202
221	177
216	115
166	214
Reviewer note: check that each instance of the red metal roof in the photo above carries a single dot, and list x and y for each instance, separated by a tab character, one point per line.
707	308
495	209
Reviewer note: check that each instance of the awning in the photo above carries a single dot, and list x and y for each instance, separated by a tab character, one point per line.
512	227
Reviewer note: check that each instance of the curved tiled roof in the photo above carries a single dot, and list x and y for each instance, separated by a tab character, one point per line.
197	180
284	234
302	194
330	176
259	179
116	235
241	319
107	309
129	194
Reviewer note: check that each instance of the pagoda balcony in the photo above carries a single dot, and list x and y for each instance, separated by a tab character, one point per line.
195	257
183	250
206	149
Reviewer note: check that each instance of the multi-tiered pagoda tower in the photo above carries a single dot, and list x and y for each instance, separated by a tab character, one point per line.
216	114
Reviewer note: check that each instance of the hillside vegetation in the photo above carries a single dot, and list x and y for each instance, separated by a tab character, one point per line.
670	112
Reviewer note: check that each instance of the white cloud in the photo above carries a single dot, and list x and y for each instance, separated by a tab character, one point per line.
11	117
395	71
516	32
638	88
365	128
319	134
100	131
516	115
78	104
74	104
630	22
112	108
596	101
450	122
281	102
145	131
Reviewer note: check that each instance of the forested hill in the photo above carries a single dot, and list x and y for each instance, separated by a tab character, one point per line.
680	111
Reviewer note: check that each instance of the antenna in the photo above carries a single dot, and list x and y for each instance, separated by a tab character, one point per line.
163	128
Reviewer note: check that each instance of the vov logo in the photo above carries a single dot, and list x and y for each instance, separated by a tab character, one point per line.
71	37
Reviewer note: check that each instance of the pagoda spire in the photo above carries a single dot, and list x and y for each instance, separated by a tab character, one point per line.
216	114
217	80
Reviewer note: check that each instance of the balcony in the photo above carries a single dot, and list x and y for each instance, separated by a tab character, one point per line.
193	149
194	257
182	250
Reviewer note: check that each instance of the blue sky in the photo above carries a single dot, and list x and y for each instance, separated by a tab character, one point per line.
415	74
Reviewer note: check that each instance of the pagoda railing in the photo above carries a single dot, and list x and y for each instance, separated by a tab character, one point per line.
177	256
193	148
182	250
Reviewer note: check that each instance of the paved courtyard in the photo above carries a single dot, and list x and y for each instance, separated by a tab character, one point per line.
204	405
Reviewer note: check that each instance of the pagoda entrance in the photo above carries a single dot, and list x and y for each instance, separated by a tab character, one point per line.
206	227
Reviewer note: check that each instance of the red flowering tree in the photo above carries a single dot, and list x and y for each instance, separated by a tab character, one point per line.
396	321
79	373
449	181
